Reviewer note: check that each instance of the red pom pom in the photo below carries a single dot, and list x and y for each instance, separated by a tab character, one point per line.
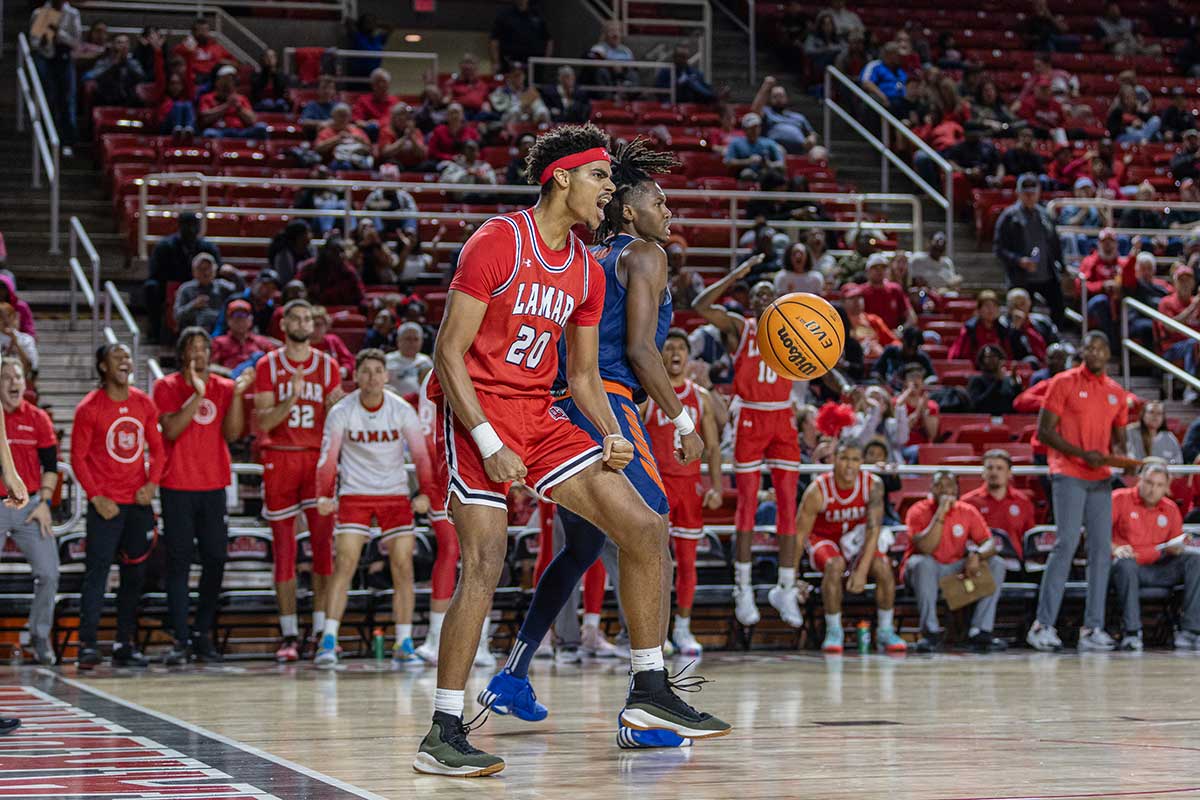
833	417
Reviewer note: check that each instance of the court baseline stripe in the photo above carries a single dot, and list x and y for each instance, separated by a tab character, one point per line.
1134	793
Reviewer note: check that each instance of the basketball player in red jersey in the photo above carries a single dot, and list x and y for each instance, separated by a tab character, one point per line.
685	493
524	280
839	521
294	386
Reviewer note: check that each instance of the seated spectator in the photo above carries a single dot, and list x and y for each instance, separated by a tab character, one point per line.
949	537
993	390
1049	32
378	264
875	453
381	333
1078	244
1063	85
241	346
292	290
753	154
1181	305
319	111
845	20
973	156
447	139
797	274
1145	526
320	197
924	421
690	84
263	298
171	262
941	133
1149	436
466	87
933	268
8	294
1128	122
342	143
876	415
201	52
366	33
514	102
1025	340
1101	274
515	175
468	167
823	44
518	33
200	301
887	81
855	56
1002	506
14	343
872	333
1177	118
1175	217
407	365
173	111
611	48
566	102
1186	161
117	76
1058	357
1021	158
330	280
290	247
982	329
885	298
896	359
990	114
372	109
1043	112
92	46
1142	217
330	343
392	200
823	261
852	267
269	85
432	110
786	126
224	113
1118	35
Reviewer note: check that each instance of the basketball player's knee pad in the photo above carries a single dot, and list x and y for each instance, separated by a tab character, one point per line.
593	588
445	566
320	528
747	484
283	548
685	572
785	482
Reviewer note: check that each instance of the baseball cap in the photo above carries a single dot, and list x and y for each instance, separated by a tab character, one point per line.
226	70
877	260
204	257
269	275
1107	233
1190	132
1084	183
984	296
1027	181
750	120
239	305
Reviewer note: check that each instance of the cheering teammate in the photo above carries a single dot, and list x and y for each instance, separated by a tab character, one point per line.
685	493
523	280
17	495
363	445
294	386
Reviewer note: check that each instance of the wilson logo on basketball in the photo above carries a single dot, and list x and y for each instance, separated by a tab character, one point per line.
801	364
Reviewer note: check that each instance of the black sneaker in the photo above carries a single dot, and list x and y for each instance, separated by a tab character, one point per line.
652	703
89	657
929	642
126	655
8	725
985	642
177	656
446	751
204	651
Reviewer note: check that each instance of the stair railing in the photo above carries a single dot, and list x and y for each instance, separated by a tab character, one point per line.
31	103
79	279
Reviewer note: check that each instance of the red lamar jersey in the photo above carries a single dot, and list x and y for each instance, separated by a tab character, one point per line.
1013	513
198	461
108	445
29	429
306	421
843	510
532	292
754	383
962	524
664	439
1143	527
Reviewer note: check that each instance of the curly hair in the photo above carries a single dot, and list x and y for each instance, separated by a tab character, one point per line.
633	164
559	142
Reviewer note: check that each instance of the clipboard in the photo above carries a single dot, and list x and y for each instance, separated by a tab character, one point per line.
1122	462
960	591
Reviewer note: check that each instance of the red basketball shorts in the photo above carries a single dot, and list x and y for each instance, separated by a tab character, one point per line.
822	549
551	448
685	495
765	437
357	512
289	482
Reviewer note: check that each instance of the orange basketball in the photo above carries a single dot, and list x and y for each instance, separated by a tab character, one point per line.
801	336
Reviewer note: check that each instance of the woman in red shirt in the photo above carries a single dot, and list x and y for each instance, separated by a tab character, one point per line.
114	425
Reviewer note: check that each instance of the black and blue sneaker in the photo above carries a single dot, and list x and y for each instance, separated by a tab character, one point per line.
633	739
507	694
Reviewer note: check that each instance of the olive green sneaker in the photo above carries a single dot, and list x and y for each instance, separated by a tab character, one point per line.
446	751
653	704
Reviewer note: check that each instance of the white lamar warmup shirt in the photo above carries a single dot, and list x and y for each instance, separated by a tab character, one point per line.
365	448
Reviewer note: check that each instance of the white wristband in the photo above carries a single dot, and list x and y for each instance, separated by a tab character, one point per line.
486	439
684	423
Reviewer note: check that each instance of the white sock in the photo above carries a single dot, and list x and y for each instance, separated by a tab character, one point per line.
683	624
435	624
787	577
403	631
973	631
448	701
833	620
591	619
741	573
318	620
885	618
331	627
646	660
289	625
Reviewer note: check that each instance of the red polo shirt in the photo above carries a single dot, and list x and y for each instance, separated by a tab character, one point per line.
1013	513
29	429
1088	408
888	302
232	118
1172	306
962	524
1143	527
1095	271
229	352
369	108
198	461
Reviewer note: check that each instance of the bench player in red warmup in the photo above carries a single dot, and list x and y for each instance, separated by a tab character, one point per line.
524	280
294	387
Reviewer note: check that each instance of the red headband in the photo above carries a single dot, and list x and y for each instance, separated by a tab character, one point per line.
574	160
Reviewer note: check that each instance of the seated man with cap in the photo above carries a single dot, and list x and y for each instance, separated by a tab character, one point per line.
241	346
199	301
225	113
753	154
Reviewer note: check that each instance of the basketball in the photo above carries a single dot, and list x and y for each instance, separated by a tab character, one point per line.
801	336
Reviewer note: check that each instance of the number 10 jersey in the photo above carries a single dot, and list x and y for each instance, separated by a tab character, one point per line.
304	424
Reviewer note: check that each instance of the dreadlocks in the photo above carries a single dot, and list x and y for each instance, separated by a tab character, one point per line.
633	164
559	142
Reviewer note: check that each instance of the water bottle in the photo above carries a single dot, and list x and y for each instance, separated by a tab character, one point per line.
377	644
864	637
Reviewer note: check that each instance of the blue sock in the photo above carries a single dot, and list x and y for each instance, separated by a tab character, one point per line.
521	655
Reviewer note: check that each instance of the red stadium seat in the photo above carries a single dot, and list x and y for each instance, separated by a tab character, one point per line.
699	165
981	437
938	453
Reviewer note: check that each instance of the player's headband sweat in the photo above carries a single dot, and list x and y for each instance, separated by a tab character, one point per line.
574	160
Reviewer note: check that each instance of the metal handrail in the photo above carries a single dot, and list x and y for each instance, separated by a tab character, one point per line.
749	27
704	24
77	501
154	373
47	147
78	237
339	53
890	124
1107	205
1128	345
535	61
112	297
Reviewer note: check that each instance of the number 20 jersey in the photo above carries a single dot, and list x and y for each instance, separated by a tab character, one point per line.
532	293
301	429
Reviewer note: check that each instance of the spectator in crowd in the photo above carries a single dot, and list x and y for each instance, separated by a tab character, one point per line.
1187	58
466	87
381	333
447	139
1148	551
1025	341
896	359
8	294
822	260
1063	85
1101	274
468	167
1177	118
514	102
518	34
786	126
117	76
924	420
984	328
319	111
330	280
1181	305
1058	357
201	301
797	274
1079	215
377	264
1118	35
202	53
1149	436
269	85
989	113
1177	218
611	48
330	343
171	262
852	267
886	80
366	33
854	57
1021	158
1186	161
392	200
290	247
241	346
53	57
225	113
885	298
514	174
92	46
174	113
200	414
566	102
949	537
845	20
1142	217
685	284
263	297
993	390
1027	244
120	483
974	156
1049	32
1043	112
823	44
933	268
872	333
1002	506
1128	122
876	415
431	111
753	154
690	83
373	109
342	143
407	365
320	197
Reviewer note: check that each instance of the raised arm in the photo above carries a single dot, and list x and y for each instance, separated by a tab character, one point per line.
730	325
587	390
235	418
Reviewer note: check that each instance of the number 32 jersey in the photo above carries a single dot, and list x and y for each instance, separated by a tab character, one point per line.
304	424
532	293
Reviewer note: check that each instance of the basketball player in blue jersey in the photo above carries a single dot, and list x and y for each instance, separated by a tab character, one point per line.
633	327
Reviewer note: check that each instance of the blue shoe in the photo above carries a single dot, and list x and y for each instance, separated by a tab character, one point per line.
834	640
326	656
403	653
634	739
888	641
507	694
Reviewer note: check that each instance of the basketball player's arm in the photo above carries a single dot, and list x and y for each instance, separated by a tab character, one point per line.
810	506
327	464
587	390
235	416
460	324
705	304
1048	435
858	579
174	423
711	433
422	462
17	493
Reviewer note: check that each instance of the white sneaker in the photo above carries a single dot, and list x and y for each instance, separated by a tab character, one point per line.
686	643
1131	643
595	644
428	651
668	648
1044	638
787	603
744	607
1095	640
1186	640
483	656
568	655
67	152
545	649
